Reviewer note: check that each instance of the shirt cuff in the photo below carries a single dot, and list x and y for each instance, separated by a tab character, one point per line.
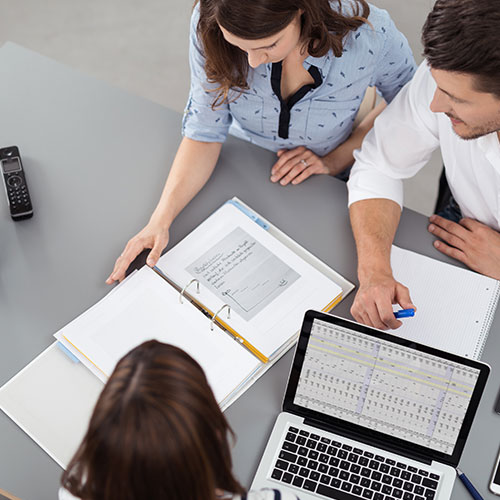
203	124
365	184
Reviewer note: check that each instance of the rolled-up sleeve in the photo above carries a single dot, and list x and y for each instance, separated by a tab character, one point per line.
399	145
396	64
201	122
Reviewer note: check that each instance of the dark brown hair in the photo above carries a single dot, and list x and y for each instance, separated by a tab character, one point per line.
322	29
464	36
156	433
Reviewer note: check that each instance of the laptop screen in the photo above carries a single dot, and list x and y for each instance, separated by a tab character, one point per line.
393	388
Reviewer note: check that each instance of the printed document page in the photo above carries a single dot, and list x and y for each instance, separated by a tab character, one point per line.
455	306
145	307
238	263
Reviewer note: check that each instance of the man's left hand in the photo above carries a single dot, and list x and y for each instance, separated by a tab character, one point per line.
470	242
296	165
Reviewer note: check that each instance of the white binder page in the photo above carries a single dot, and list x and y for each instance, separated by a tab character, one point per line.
455	306
266	284
146	307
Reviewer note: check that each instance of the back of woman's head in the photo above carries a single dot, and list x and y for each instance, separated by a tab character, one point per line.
156	433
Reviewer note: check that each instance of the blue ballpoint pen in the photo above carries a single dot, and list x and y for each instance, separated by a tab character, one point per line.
405	313
475	494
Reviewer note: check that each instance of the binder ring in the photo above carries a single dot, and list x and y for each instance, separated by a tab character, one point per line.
217	314
181	294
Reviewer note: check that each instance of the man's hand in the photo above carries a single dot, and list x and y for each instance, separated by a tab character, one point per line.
296	165
373	302
470	242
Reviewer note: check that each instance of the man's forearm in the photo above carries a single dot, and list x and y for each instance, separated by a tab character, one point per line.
374	223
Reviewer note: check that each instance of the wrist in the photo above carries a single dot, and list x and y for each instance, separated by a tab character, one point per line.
333	163
374	272
340	158
161	218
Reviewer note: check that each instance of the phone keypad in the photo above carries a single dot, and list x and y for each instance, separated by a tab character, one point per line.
18	193
18	196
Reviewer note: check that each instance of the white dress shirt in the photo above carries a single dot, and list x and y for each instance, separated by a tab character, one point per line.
401	143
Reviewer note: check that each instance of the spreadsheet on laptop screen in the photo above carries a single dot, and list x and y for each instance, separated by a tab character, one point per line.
384	386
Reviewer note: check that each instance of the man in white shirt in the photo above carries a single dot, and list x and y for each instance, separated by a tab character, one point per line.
453	102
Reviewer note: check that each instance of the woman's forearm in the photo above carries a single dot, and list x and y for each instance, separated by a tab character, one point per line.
192	167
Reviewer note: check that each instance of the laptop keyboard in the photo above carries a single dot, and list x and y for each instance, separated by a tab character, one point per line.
338	470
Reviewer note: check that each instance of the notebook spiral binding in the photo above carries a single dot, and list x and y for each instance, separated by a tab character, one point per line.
478	351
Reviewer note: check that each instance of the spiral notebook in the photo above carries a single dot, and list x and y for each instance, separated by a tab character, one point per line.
455	306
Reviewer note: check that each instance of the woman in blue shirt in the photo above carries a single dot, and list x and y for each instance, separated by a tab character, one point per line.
287	75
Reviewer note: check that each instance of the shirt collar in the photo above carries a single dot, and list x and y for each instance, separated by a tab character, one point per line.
323	63
490	145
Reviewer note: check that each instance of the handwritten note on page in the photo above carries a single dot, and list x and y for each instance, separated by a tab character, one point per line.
268	286
243	273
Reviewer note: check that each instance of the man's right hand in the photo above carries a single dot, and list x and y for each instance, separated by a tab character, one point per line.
154	236
373	302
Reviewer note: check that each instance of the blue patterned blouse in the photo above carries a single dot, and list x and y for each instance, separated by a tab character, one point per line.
322	118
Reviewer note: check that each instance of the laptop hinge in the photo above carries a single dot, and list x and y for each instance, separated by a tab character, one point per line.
370	440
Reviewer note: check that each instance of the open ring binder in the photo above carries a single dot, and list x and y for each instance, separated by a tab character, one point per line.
181	293
73	388
214	317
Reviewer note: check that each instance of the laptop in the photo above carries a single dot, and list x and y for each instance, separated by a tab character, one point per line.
370	415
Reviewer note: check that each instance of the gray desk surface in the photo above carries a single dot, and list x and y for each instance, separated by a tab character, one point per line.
96	159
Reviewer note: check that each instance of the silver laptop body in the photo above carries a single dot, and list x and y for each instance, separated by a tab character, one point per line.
369	415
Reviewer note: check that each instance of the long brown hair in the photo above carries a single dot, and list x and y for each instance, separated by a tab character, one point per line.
322	29
156	433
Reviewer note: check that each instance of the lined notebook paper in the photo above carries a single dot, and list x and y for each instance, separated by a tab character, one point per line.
455	307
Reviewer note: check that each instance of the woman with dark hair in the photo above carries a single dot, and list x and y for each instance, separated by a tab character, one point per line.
156	433
287	75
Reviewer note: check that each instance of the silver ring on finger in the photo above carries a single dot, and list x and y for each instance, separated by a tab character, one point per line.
304	162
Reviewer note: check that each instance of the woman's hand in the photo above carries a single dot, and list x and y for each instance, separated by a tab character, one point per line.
192	167
296	165
154	236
